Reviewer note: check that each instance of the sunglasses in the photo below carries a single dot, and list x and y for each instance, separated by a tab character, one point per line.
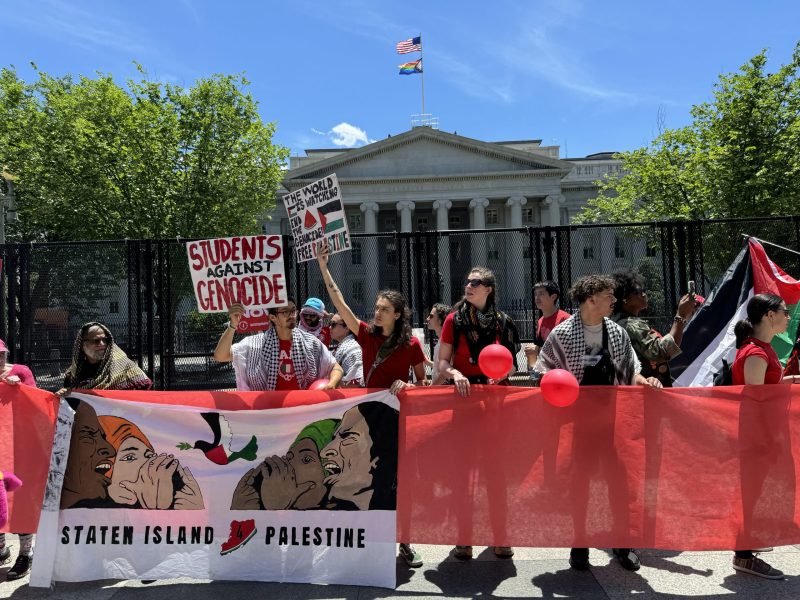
337	324
473	282
98	341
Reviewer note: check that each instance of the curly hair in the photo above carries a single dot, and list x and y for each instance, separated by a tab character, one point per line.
402	326
627	282
589	285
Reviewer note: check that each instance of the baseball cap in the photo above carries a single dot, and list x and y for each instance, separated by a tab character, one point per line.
314	304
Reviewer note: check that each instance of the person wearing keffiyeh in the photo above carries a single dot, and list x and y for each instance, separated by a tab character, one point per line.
99	364
281	358
596	351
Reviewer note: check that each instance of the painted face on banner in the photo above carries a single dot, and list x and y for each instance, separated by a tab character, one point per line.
347	459
91	457
132	454
307	465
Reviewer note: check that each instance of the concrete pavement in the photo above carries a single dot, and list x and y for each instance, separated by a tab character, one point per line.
532	573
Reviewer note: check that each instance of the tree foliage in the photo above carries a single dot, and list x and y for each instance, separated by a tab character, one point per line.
95	160
740	156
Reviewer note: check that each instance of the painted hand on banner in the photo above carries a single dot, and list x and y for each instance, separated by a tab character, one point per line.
189	497
236	312
245	496
279	488
154	488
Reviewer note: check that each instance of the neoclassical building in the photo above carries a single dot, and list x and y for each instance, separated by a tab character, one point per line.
428	179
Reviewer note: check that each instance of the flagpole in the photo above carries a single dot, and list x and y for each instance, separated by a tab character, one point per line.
422	76
770	243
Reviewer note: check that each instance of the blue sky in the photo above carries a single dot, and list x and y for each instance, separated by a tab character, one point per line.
588	76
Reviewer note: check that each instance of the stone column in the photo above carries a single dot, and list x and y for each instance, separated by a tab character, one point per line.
514	260
516	203
478	245
442	208
554	204
370	253
405	207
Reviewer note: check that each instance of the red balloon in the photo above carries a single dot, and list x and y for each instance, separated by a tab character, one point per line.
559	387
495	361
319	384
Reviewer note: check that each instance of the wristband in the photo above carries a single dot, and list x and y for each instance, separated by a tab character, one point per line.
677	319
231	327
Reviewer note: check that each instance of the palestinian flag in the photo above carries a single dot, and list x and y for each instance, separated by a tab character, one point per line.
709	335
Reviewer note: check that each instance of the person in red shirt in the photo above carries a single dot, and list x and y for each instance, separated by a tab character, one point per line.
757	363
546	296
474	324
388	349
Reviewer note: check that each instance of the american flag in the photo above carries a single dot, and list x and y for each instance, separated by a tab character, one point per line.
410	45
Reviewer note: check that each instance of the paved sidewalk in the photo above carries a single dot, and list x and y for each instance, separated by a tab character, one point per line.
532	573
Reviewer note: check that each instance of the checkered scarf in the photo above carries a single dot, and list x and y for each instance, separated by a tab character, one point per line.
348	355
565	348
256	360
116	371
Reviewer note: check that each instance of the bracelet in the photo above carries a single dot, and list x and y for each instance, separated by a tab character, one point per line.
231	327
677	319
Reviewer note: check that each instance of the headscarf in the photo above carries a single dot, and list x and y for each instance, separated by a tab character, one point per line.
118	430
313	306
116	371
320	432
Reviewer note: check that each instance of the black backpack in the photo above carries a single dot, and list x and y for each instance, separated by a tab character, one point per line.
725	375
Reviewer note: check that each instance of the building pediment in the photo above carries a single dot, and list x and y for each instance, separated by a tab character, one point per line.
427	153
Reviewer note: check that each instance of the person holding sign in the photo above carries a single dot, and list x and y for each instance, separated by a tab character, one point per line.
282	358
388	349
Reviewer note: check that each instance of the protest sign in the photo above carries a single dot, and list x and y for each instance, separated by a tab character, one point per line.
316	212
244	269
192	491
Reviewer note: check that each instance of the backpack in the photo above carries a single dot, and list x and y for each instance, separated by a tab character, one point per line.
725	375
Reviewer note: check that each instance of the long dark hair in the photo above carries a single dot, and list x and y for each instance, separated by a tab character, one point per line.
758	306
489	280
401	334
383	422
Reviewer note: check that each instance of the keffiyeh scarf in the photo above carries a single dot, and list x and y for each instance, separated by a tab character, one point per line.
565	348
256	360
482	329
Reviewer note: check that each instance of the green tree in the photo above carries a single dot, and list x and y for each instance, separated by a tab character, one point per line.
740	156
95	160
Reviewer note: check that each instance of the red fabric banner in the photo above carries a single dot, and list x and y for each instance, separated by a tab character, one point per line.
691	469
27	422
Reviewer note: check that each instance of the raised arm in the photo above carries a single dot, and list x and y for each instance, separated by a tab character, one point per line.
350	319
222	353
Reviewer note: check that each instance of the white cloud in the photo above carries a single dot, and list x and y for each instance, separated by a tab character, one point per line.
348	136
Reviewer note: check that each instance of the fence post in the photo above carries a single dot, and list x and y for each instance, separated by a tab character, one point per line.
148	299
12	276
548	251
25	317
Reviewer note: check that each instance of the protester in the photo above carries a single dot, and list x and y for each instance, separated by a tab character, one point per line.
653	350
99	364
282	358
596	351
312	320
475	323
757	363
388	349
546	295
435	322
14	374
347	352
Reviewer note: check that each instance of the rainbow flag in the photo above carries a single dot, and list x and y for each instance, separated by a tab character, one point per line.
709	335
410	68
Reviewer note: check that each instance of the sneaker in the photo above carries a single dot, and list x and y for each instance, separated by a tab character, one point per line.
767	549
22	567
756	566
412	557
241	533
462	552
503	551
579	560
628	558
5	555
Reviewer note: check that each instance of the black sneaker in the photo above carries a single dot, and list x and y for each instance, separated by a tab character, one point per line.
21	567
628	558
579	560
5	555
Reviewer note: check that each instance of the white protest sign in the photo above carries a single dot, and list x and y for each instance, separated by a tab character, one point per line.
316	212
244	269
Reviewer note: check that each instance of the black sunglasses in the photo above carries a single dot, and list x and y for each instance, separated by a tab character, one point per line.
473	282
338	324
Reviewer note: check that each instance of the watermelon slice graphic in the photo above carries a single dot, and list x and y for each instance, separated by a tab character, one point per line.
309	221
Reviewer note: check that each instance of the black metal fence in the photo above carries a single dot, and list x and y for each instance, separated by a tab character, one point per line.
141	288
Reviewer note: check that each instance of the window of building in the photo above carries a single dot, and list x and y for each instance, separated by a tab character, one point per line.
355	253
355	222
492	217
619	247
389	224
422	224
113	308
455	250
357	291
263	229
564	216
588	247
527	215
454	221
492	253
391	253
